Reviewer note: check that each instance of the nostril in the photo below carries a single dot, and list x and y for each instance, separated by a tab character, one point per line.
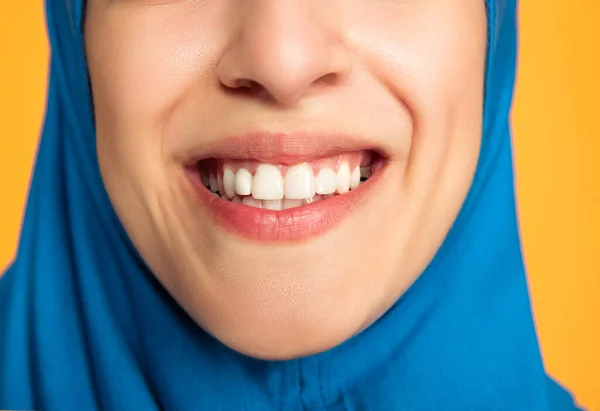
247	87
247	84
328	79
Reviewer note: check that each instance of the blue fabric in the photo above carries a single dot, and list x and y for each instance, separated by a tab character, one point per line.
85	326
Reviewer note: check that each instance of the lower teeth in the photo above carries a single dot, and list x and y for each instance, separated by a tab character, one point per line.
275	205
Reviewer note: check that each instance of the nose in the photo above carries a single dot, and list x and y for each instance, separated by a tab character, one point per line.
284	50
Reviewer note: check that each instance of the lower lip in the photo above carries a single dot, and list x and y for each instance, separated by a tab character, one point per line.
291	225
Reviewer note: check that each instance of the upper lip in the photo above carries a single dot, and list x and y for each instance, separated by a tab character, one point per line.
283	147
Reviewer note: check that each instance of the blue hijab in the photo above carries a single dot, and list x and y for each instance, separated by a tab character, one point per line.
84	325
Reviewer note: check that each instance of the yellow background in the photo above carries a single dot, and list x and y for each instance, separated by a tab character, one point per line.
557	150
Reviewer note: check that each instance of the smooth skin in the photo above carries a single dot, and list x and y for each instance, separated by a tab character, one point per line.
171	76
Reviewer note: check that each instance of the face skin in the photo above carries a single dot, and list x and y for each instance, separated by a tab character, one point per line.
170	77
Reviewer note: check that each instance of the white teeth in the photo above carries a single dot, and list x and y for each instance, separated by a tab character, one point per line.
229	183
273	204
267	183
268	189
291	203
213	183
326	181
252	202
313	199
277	205
243	182
343	179
299	182
355	178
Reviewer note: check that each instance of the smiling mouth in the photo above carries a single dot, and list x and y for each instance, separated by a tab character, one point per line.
280	187
283	195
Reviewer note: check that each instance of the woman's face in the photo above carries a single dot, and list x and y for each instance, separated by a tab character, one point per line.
279	106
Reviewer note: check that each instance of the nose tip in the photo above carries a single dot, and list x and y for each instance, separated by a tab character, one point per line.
283	53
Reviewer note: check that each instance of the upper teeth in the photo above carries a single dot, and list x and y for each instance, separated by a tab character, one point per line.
342	180
229	183
300	182
355	178
267	183
268	188
242	183
325	181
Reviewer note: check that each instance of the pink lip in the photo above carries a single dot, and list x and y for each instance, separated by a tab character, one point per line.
282	148
294	224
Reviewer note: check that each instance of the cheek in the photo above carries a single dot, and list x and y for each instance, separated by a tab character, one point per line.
444	92
451	75
143	61
448	111
433	61
431	56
